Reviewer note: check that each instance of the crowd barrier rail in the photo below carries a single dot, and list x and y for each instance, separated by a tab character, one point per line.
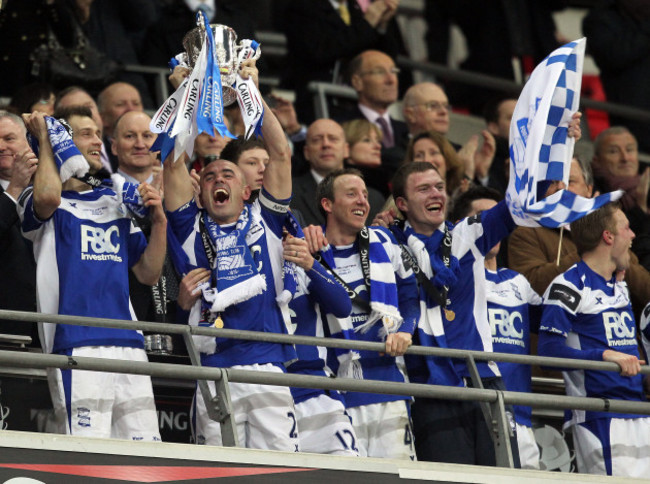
219	405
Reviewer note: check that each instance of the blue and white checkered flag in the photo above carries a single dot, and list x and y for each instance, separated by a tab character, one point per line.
540	148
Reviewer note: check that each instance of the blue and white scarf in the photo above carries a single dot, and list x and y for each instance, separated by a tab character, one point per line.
384	305
71	163
427	253
67	157
540	148
234	277
289	277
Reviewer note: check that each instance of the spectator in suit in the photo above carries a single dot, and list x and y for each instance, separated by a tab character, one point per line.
619	43
115	100
616	167
373	75
132	142
17	268
323	35
325	149
426	108
364	139
164	38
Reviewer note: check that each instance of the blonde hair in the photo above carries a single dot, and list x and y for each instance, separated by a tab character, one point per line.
356	129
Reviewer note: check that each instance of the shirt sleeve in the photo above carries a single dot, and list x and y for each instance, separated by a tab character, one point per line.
273	211
30	223
137	244
483	230
328	293
182	220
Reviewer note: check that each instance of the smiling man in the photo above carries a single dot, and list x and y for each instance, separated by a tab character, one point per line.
132	140
454	312
84	244
616	167
236	250
587	315
384	309
17	269
325	149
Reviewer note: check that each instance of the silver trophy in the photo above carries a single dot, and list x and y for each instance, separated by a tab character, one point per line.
227	55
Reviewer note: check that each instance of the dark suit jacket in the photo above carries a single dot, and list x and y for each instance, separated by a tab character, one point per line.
391	158
17	270
317	38
304	200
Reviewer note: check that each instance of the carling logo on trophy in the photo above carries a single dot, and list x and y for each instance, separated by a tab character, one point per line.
213	56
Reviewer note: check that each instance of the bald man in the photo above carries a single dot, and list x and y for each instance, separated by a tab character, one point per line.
325	149
115	100
132	140
426	108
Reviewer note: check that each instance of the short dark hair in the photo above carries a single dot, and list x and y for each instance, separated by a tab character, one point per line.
325	188
586	232
64	92
462	204
491	108
404	171
69	111
28	95
234	149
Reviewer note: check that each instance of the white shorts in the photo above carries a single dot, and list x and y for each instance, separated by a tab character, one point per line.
106	405
264	415
325	428
383	430
528	450
616	447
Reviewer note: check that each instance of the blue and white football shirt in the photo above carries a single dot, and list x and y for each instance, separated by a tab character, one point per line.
375	367
591	315
83	253
509	298
259	313
317	294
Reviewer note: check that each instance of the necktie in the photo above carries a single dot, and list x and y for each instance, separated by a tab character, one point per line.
344	13
387	139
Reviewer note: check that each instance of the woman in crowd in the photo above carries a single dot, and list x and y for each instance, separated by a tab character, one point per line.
434	148
364	140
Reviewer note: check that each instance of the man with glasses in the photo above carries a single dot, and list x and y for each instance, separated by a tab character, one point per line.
373	75
426	108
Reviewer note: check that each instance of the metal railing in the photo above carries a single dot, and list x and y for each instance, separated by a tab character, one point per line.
219	406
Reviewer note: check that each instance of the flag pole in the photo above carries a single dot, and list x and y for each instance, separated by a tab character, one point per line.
559	247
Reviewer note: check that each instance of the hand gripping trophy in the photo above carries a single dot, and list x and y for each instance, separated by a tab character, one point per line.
213	55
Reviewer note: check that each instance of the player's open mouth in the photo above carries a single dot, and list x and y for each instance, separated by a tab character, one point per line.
359	213
220	195
94	153
434	207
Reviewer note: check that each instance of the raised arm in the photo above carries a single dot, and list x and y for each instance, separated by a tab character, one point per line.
47	181
277	177
177	182
148	269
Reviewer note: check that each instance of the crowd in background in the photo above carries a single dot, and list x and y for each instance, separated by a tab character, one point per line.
361	145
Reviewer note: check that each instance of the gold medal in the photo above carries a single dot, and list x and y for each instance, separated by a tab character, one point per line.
450	315
218	323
